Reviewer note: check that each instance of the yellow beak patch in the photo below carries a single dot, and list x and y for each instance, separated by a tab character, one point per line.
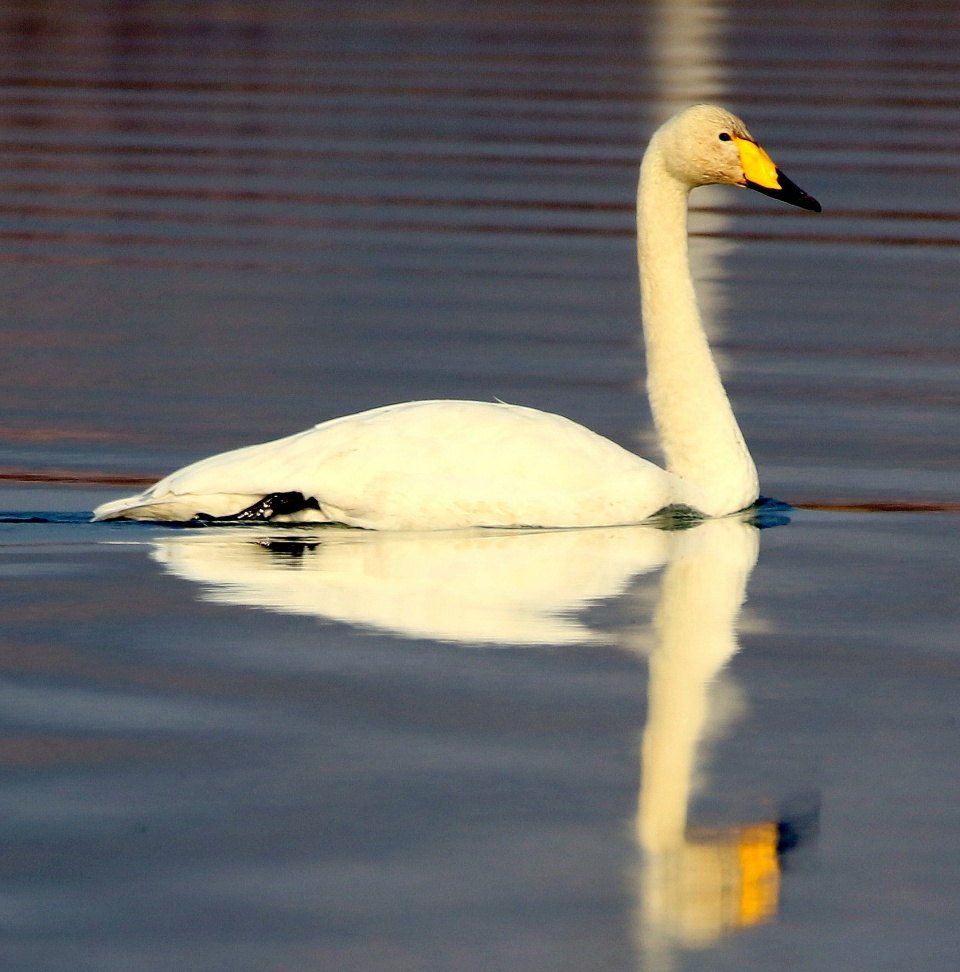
758	167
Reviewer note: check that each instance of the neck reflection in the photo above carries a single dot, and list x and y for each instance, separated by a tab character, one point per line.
696	886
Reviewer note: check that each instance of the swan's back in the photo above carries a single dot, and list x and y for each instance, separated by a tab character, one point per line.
425	465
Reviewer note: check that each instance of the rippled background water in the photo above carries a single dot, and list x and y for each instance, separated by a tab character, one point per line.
222	222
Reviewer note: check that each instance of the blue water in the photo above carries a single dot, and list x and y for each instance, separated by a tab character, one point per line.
292	749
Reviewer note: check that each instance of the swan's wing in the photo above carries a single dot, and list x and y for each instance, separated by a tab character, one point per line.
425	465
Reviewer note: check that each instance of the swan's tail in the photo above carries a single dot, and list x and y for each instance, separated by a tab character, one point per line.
172	507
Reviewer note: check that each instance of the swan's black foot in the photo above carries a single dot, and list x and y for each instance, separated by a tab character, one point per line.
276	504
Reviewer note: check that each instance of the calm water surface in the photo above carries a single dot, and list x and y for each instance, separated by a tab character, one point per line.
255	749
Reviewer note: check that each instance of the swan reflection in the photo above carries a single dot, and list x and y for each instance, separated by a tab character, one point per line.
479	586
696	885
511	587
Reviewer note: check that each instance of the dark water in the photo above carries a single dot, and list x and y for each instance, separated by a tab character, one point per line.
221	223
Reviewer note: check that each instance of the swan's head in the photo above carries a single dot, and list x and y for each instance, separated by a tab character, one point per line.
704	145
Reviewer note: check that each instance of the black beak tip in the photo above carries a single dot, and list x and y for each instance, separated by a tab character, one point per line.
789	192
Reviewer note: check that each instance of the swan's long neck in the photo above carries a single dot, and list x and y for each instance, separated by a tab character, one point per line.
699	434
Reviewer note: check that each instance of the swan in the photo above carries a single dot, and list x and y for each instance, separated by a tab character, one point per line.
452	464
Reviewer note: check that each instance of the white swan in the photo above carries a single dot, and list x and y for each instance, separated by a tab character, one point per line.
448	464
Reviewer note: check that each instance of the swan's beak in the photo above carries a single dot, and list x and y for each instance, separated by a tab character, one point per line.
762	175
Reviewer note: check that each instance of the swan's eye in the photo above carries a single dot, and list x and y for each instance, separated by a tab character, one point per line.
724	137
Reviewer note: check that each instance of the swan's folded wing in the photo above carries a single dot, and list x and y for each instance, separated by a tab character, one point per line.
428	465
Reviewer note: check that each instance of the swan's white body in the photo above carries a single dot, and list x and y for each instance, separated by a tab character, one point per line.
425	465
449	464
